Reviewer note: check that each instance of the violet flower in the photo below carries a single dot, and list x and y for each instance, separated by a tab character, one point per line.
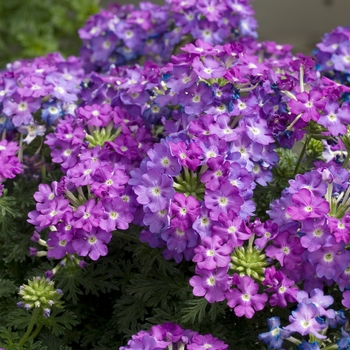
244	299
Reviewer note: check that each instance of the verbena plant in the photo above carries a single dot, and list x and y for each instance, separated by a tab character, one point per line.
152	195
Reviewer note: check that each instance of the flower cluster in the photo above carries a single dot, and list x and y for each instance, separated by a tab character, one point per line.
310	318
49	84
125	33
172	336
40	294
313	215
96	150
333	55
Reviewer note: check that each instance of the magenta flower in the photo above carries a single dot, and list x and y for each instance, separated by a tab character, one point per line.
185	208
307	206
217	173
308	105
212	253
245	299
204	342
187	154
281	287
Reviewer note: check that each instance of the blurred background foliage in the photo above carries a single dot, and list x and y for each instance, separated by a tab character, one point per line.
31	28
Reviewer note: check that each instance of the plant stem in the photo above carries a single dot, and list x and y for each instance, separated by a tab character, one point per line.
30	327
36	332
301	156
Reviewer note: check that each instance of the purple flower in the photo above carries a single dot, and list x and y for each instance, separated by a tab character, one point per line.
232	229
307	206
204	342
142	343
187	154
335	118
178	237
212	253
21	109
92	243
330	260
281	287
308	105
52	214
316	234
88	215
116	214
258	131
217	173
244	299
286	249
305	320
225	198
318	298
162	159
185	208
208	68
155	190
59	246
195	98
210	284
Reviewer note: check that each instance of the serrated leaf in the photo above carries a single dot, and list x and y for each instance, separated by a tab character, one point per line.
195	311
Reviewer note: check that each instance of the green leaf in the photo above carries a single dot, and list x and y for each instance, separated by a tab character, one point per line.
7	288
195	311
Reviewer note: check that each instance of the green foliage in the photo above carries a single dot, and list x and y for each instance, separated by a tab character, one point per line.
34	27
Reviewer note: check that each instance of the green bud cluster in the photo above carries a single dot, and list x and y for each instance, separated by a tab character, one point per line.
315	148
247	261
40	293
189	183
100	136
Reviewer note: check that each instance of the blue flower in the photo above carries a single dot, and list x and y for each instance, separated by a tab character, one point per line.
274	338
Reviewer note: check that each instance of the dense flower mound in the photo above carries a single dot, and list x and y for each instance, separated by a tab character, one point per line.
171	336
333	55
178	124
96	149
185	187
313	219
152	32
